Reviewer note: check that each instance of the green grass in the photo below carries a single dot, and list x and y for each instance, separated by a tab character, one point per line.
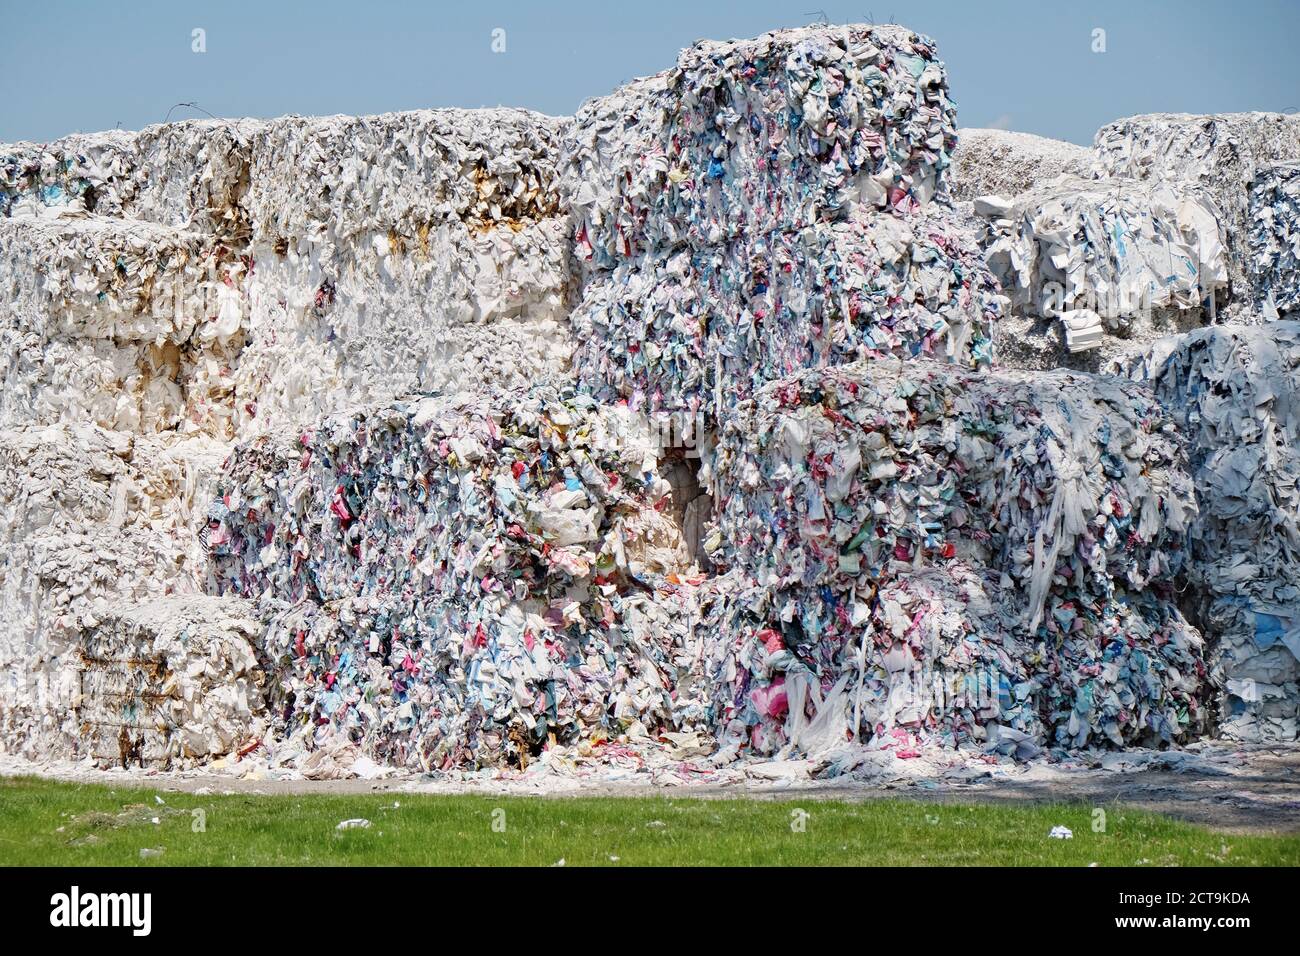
50	823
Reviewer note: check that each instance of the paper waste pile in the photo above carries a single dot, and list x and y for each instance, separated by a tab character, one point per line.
1233	392
331	444
1275	239
455	580
940	554
778	174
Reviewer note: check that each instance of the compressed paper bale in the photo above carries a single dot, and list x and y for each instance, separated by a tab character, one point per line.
487	167
933	658
1234	392
1001	162
1134	259
873	285
1275	239
932	462
490	309
744	137
401	253
698	332
169	683
88	519
1067	488
467	448
449	581
1217	154
189	175
646	335
130	325
1115	246
799	178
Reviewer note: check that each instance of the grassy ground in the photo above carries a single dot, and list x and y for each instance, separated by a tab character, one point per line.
50	823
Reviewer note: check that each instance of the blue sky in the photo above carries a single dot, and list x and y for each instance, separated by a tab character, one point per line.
80	65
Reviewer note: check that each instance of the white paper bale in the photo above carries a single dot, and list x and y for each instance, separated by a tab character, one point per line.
1218	154
698	331
169	683
442	574
190	175
88	519
398	253
1005	163
130	325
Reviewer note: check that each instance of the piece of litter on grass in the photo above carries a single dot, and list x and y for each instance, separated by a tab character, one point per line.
356	823
559	862
150	852
1061	833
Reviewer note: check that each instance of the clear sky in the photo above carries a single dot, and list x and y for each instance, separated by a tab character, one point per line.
1020	64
